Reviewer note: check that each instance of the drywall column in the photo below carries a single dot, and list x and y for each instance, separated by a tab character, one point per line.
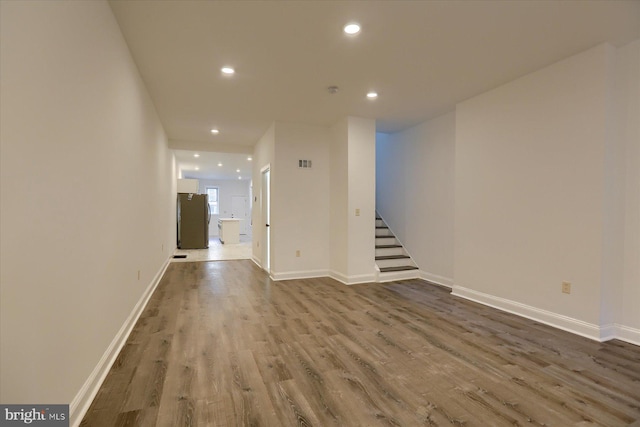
352	185
338	201
300	202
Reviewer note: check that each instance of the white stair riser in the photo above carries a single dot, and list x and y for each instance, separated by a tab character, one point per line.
394	262
389	251
380	223
386	241
383	232
398	275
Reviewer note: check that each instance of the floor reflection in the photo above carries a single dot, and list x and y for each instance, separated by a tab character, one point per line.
217	251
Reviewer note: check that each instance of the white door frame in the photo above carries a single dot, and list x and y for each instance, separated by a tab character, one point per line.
265	202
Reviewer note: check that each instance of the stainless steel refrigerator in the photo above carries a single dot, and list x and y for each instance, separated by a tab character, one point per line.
193	221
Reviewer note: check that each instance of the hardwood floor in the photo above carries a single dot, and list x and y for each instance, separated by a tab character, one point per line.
220	344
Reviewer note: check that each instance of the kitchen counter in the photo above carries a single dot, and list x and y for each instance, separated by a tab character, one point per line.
229	230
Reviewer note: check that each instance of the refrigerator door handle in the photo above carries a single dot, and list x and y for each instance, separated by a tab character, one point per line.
209	209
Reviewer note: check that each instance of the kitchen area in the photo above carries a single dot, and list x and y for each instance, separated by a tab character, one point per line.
213	220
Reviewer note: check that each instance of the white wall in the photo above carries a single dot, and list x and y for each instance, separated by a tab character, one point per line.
547	190
87	195
263	156
313	210
530	191
300	201
227	188
361	159
414	193
339	199
628	93
352	183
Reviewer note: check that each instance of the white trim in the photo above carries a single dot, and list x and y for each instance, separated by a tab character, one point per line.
352	280
589	330
82	401
438	280
392	276
566	323
627	333
291	275
607	332
256	261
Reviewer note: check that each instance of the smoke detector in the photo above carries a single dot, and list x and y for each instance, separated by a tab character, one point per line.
332	89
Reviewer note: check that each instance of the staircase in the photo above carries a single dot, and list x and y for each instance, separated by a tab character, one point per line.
392	261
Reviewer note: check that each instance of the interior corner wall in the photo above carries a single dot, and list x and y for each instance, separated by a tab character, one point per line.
263	156
300	200
415	193
87	194
529	191
628	91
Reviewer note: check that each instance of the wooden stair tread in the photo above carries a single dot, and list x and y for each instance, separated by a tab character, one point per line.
381	227
399	268
387	246
392	257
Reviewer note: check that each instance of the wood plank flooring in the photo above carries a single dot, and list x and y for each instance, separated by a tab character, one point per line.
220	344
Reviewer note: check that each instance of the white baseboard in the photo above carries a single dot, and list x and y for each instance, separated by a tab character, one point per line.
438	280
566	323
82	401
309	274
578	327
628	334
352	280
292	275
256	261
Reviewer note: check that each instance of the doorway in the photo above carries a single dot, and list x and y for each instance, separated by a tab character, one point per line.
240	210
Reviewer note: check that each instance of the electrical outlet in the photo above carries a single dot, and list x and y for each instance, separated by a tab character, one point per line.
298	253
566	287
357	212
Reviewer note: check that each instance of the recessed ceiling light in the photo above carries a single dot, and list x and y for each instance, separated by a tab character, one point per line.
239	177
352	28
227	70
219	164
215	131
196	155
372	95
249	158
238	170
197	168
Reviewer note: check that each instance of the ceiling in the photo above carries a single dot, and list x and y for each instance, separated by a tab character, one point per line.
206	165
422	57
